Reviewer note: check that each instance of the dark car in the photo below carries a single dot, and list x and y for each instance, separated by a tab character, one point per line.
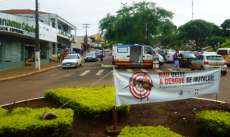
186	59
91	57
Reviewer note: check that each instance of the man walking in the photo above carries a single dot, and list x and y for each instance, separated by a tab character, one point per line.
176	58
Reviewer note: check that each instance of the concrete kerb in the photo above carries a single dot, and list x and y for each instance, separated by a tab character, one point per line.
22	101
211	100
30	73
106	66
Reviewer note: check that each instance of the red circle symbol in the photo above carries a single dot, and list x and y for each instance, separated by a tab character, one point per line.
140	85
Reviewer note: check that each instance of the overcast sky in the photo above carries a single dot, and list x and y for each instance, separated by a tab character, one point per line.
91	11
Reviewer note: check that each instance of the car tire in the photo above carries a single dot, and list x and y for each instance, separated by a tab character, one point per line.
223	73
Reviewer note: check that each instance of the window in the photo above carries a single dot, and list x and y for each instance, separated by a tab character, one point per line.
222	52
200	57
148	50
122	49
215	58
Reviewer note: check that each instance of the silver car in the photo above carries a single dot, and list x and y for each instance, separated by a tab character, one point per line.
210	60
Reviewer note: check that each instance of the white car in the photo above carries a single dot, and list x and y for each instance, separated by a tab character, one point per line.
72	61
169	55
210	60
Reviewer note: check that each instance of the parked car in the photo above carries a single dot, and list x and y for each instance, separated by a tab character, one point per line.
186	58
91	57
169	55
72	60
161	59
99	53
210	60
225	52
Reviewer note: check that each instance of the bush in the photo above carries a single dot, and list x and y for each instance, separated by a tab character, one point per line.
214	122
2	111
89	102
147	131
27	122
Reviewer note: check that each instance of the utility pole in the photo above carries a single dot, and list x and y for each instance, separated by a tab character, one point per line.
192	9
37	43
86	26
146	33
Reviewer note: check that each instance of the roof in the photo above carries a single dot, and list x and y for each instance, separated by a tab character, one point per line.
21	11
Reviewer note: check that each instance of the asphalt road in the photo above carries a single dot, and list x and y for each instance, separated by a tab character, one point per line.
90	74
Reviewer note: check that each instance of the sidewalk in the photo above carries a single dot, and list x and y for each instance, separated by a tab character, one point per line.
25	71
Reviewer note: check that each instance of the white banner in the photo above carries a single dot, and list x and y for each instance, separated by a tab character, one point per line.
142	87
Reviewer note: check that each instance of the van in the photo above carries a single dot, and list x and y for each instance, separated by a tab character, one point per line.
225	52
134	56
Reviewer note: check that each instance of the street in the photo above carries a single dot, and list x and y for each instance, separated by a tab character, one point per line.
90	74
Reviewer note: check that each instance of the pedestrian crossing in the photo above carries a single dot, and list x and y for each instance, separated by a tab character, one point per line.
102	72
84	73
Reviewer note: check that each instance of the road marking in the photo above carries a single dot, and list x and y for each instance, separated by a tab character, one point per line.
157	70
84	73
144	70
100	72
129	70
170	69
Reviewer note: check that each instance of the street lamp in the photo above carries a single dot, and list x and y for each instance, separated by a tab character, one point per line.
37	43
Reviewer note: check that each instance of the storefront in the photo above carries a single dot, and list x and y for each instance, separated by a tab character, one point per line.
17	41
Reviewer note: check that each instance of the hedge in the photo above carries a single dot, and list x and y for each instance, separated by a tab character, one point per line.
90	102
2	111
27	122
147	131
214	122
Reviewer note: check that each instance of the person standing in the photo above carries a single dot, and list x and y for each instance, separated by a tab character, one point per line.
176	58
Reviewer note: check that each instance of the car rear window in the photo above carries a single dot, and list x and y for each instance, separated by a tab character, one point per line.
215	58
72	57
222	52
122	49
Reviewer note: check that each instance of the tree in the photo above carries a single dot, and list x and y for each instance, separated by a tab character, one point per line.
199	31
139	23
226	27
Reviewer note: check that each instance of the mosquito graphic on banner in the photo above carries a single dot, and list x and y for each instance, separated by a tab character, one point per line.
142	87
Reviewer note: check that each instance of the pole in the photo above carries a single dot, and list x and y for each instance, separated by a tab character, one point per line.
86	26
37	43
114	118
192	9
146	33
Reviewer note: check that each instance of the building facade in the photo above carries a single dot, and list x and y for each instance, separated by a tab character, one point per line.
17	37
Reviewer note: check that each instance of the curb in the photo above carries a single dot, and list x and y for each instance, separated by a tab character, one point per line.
30	73
106	66
21	101
211	100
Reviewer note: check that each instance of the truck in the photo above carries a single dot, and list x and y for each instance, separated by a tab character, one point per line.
128	55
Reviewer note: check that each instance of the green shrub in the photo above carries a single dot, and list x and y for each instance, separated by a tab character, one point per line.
27	122
89	102
147	131
214	122
2	111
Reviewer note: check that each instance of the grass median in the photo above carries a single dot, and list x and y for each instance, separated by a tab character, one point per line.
87	101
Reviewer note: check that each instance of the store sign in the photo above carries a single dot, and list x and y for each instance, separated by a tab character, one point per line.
15	24
142	87
26	26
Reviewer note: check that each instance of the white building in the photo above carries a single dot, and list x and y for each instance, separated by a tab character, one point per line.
17	36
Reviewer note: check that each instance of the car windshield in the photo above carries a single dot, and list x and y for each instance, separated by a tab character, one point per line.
222	52
215	58
90	54
72	57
